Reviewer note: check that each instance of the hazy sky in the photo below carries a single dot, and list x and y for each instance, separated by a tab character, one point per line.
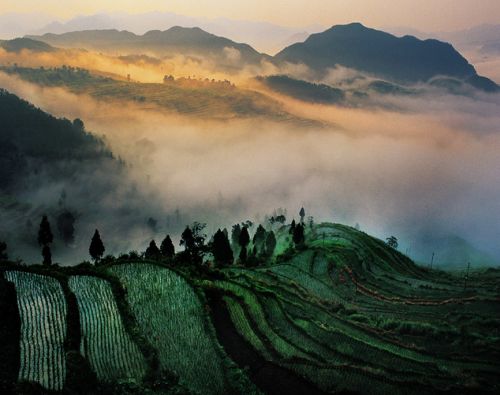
427	15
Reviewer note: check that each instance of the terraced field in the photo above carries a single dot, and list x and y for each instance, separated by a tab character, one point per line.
212	101
104	340
346	314
172	316
42	309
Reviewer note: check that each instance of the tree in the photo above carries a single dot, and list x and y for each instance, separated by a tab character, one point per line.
47	255
392	242
187	239
235	235
259	240
281	219
298	235
221	249
152	252
193	240
167	248
96	248
3	251
244	240
292	227
45	236
66	227
302	214
270	243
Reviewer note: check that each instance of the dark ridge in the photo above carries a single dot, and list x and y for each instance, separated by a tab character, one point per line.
270	378
10	332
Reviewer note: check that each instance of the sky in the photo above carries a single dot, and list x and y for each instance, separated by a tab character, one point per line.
425	15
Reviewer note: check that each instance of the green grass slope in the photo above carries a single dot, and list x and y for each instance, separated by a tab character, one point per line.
344	313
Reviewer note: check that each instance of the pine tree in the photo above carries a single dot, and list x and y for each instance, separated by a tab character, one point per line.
292	227
167	248
244	240
47	255
235	235
270	243
302	214
152	252
259	240
187	239
96	248
45	236
221	249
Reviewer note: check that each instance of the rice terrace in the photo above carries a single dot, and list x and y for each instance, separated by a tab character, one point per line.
342	313
217	197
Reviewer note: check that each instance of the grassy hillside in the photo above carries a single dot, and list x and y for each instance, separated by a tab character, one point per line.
343	314
200	98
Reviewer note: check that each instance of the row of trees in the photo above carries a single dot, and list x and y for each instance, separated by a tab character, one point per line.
192	239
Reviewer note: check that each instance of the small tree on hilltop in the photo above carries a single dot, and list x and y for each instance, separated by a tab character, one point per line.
96	248
221	249
244	240
302	214
47	255
45	236
392	242
167	248
152	252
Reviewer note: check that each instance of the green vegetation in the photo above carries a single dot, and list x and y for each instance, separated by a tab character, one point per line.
335	310
42	308
105	342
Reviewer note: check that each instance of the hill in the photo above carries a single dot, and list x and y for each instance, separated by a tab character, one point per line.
19	44
405	60
176	40
203	98
344	313
32	138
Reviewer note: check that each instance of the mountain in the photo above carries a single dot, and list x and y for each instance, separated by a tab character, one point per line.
404	60
265	36
18	44
176	40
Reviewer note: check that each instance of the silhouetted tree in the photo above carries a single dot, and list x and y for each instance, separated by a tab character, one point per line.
259	240
281	219
167	248
235	235
66	227
292	227
244	240
187	239
47	255
302	214
270	243
221	249
96	248
152	252
45	236
193	241
298	235
392	242
3	251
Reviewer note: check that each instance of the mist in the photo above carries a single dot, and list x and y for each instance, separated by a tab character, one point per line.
432	169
